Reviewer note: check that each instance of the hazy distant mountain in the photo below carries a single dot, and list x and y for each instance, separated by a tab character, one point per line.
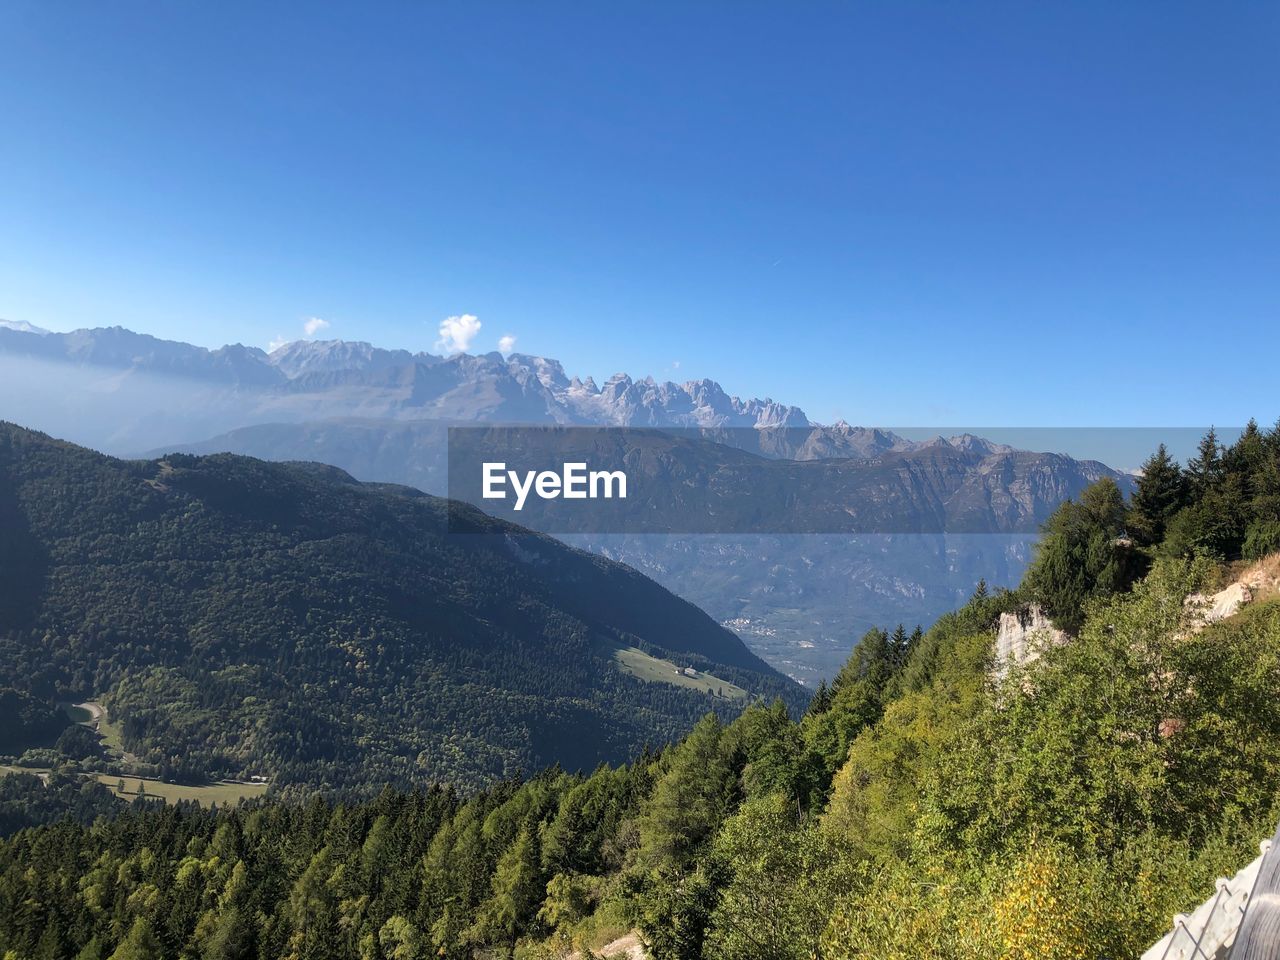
22	327
324	356
150	392
124	392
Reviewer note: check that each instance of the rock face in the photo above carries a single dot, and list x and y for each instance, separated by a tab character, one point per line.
1226	602
1262	577
1023	635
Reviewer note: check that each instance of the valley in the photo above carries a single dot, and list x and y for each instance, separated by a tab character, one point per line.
383	415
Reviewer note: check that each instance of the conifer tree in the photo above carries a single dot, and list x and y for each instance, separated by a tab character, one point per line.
1205	469
140	943
1082	555
821	701
899	646
1161	492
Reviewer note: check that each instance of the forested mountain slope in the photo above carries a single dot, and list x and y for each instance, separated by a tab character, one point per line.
241	617
798	601
924	807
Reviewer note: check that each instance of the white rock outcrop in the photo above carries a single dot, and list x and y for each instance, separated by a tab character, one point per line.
1262	577
1023	635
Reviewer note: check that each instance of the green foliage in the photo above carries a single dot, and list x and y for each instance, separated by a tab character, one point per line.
1262	538
1206	469
1161	491
778	876
922	809
1233	507
856	700
140	944
26	720
875	793
26	801
1083	555
1214	525
1139	724
245	618
694	792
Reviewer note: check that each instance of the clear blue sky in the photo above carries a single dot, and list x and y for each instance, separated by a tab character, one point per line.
897	213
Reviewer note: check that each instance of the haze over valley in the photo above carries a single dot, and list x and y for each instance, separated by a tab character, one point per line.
382	415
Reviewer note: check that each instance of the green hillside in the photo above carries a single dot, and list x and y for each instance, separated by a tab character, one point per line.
241	618
926	806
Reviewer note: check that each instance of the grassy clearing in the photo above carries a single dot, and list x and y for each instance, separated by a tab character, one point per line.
644	667
206	795
112	738
91	712
34	771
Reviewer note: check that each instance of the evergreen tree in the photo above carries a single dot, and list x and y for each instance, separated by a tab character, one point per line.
1248	454
821	701
916	636
1083	555
1161	492
140	944
231	937
899	647
690	799
518	887
1205	469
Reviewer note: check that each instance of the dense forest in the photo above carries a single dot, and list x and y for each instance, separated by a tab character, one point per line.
242	618
925	806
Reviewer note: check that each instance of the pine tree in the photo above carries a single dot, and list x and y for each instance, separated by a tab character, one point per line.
1161	492
916	636
1248	454
899	644
821	701
1205	469
980	591
1082	556
140	944
518	887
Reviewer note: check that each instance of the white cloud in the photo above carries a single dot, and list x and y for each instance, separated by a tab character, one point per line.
314	325
675	364
506	344
456	333
276	343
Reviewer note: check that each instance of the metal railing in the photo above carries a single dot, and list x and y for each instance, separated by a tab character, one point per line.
1259	934
1241	921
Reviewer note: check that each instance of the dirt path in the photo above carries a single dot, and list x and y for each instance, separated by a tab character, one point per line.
95	710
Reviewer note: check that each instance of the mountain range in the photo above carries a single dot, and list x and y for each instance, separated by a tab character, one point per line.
235	386
382	415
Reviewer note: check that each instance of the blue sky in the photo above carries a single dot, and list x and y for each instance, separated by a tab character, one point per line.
898	213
